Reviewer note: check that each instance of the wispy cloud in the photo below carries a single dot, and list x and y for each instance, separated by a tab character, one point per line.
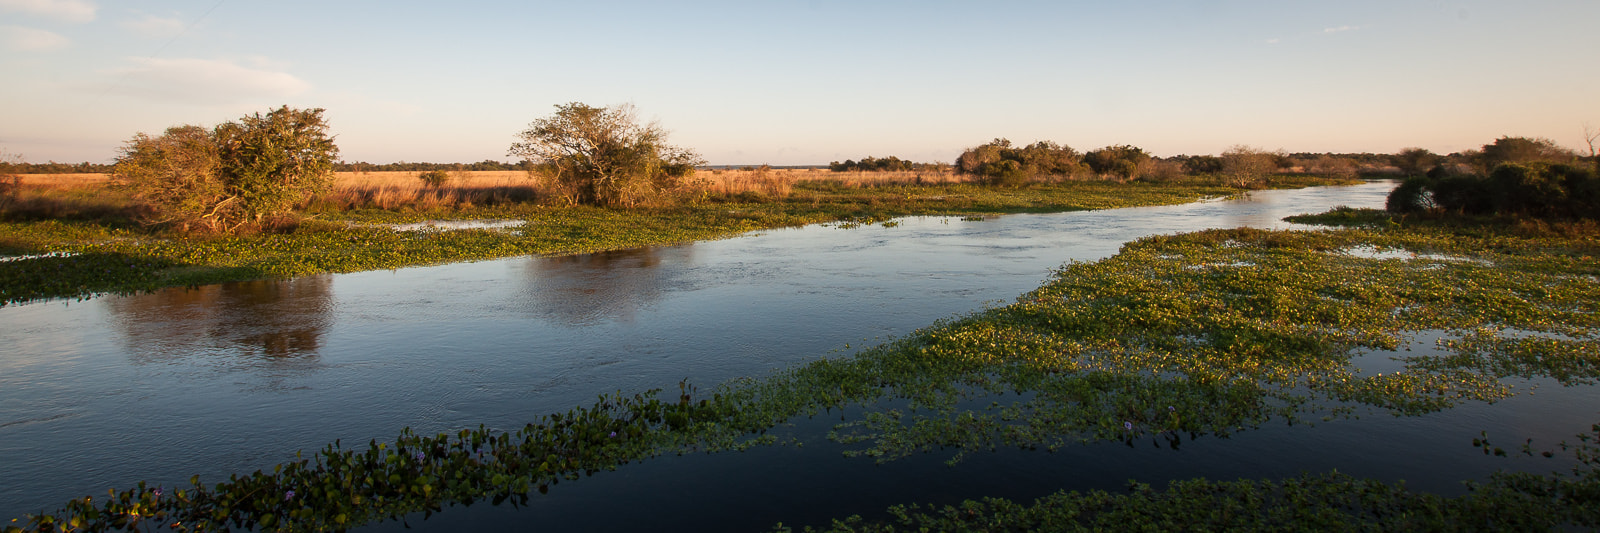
67	10
205	81
1340	29
153	26
30	39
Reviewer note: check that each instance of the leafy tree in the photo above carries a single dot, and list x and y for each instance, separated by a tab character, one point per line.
1416	161
1118	160
1244	165
1523	150
237	173
999	163
1529	190
1203	164
603	156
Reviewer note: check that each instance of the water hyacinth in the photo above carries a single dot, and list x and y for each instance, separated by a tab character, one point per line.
1240	327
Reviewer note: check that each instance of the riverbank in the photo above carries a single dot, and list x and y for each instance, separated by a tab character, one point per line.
81	258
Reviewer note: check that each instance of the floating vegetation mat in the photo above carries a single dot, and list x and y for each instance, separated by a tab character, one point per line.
1271	326
450	225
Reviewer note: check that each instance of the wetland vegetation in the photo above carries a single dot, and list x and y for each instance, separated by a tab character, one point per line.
1175	338
101	255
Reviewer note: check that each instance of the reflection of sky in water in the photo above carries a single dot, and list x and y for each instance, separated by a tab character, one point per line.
232	378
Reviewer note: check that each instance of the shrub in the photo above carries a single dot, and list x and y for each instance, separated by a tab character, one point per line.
998	163
1244	165
1121	160
1537	190
1203	164
434	178
1411	196
603	156
251	171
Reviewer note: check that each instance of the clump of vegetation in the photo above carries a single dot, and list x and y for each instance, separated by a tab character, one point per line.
603	156
999	163
886	164
1246	166
237	173
434	178
1121	161
1528	178
1175	337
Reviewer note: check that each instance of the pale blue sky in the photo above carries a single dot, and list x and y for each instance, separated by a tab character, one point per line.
809	81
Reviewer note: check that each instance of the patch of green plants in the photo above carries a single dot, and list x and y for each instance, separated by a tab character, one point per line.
1175	337
350	241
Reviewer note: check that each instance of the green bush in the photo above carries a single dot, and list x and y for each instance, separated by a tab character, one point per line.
1411	196
1537	190
603	156
238	173
434	178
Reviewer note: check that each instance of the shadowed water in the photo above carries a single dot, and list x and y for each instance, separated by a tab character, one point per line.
236	377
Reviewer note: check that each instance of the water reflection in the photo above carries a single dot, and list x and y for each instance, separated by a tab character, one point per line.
259	324
589	289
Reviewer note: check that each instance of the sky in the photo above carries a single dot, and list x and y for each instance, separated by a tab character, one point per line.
805	82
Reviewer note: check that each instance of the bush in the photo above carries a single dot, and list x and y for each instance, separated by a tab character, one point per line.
434	178
1244	165
246	172
998	163
1203	164
1122	161
1536	190
603	156
1411	196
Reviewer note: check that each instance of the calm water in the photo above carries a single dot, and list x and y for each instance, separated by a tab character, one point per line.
236	377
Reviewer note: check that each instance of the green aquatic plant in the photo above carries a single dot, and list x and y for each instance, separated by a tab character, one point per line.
349	241
1174	338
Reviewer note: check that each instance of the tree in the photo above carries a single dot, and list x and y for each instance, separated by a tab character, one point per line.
1523	150
237	173
1119	160
1332	166
999	163
1244	165
1203	164
1415	161
603	156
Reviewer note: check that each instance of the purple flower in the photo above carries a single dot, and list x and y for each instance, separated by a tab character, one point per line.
1171	409
157	492
288	495
613	434
1128	425
419	456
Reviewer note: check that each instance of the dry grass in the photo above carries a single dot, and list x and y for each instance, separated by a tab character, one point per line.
65	196
397	190
778	183
464	189
64	181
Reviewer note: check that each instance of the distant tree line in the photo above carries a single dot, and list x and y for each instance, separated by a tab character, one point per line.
886	164
53	167
402	166
1517	176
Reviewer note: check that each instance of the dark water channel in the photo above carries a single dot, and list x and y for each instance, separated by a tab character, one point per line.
236	377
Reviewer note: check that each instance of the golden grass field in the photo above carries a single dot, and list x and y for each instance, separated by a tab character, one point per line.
63	194
717	181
